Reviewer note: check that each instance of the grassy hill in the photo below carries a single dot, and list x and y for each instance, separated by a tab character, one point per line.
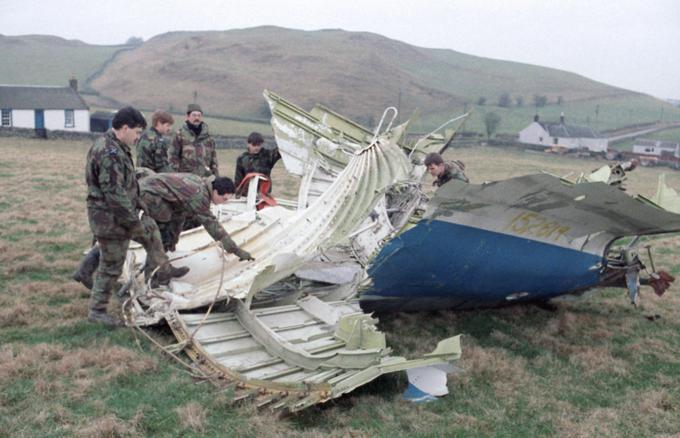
358	74
50	60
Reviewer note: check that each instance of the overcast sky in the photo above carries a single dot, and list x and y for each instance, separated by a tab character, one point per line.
628	43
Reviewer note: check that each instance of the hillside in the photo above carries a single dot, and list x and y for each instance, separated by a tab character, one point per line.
358	74
355	73
49	60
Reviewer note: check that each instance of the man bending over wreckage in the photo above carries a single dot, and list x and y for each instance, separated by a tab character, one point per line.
170	199
444	171
173	198
113	203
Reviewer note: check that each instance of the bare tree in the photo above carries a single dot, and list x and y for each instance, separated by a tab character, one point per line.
540	100
505	101
134	41
491	122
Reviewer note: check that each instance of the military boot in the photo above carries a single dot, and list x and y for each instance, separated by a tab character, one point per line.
88	265
101	316
165	274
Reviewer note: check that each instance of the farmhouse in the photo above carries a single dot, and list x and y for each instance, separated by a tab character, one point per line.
656	147
562	135
44	107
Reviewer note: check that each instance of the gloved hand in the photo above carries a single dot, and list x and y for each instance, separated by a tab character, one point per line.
243	255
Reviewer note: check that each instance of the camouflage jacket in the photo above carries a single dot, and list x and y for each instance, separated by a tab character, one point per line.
112	189
194	154
453	170
188	195
261	162
152	151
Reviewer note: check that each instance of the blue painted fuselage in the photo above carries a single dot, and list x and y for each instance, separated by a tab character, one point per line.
438	263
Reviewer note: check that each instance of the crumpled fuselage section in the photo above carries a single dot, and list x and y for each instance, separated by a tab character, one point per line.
309	349
530	238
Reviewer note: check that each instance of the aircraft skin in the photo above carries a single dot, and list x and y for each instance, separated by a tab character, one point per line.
530	238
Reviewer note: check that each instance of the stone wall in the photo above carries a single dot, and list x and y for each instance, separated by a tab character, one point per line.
221	141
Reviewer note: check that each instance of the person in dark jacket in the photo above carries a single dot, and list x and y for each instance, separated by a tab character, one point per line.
152	148
444	171
193	149
113	210
256	159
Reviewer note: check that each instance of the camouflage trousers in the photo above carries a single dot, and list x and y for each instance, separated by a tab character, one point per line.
113	253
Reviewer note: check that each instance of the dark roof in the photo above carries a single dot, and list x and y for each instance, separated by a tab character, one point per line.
570	131
41	97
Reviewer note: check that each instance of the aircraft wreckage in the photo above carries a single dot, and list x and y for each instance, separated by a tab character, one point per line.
287	330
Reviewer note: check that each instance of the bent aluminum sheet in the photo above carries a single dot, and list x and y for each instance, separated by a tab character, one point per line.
317	146
291	357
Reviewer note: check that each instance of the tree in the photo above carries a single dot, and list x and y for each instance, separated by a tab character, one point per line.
540	101
505	101
134	41
560	100
491	122
519	101
481	101
263	110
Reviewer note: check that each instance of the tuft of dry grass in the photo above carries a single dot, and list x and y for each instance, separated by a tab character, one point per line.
45	362
107	426
192	416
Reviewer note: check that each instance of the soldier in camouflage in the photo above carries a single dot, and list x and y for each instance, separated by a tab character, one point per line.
113	212
193	149
173	198
444	171
152	147
256	159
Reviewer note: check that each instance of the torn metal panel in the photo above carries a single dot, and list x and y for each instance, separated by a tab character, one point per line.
547	209
296	357
316	147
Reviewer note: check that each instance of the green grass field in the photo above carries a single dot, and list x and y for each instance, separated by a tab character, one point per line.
46	60
599	114
593	367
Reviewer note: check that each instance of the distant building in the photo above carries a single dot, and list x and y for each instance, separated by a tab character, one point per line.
44	107
657	148
561	134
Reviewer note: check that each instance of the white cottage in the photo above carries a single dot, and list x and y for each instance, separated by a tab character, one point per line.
656	147
561	134
44	107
